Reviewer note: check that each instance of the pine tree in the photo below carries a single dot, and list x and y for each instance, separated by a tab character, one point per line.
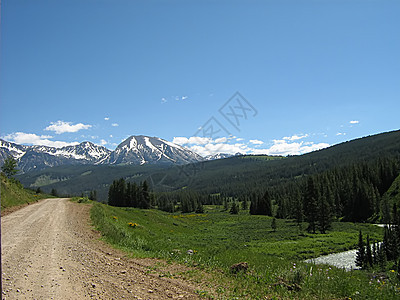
54	192
382	259
369	258
299	214
266	207
144	198
9	167
311	204
199	207
234	208
360	256
226	204
324	215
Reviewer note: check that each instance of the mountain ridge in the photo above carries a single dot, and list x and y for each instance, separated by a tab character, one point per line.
136	150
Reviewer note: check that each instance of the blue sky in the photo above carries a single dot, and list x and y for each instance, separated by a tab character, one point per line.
315	73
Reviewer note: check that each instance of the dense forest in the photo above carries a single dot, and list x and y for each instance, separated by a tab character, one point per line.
348	182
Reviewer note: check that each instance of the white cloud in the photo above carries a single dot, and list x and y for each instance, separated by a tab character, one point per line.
285	146
211	149
221	140
62	127
341	133
194	140
163	100
256	142
180	140
103	142
295	137
34	139
106	118
184	97
114	124
354	122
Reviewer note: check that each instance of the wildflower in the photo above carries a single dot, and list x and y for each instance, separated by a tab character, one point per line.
115	218
133	224
392	271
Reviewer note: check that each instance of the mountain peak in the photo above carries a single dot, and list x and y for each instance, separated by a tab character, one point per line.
136	150
142	149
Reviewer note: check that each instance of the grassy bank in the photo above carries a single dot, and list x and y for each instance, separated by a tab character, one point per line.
13	194
218	240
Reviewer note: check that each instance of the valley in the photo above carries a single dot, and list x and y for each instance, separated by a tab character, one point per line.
273	213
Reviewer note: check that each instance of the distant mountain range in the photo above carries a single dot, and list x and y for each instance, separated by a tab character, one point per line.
239	175
135	150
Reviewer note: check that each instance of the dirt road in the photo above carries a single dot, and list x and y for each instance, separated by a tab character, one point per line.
49	251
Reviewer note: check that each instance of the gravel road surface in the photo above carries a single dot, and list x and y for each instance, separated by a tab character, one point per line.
50	251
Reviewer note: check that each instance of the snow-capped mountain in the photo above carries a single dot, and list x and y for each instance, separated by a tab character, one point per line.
40	157
221	156
150	150
217	156
136	150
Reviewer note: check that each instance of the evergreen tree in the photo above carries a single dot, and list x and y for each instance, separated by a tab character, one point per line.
299	214
144	198
54	192
9	167
93	195
360	256
226	204
382	259
234	208
311	204
266	206
386	218
116	193
324	215
199	207
369	259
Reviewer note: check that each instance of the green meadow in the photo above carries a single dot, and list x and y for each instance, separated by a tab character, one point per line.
14	194
275	258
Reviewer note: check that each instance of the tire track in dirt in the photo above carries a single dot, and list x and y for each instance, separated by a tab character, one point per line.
49	251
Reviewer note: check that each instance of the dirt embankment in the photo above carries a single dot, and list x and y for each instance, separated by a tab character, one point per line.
49	251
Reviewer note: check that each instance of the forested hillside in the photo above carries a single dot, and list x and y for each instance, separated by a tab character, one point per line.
348	181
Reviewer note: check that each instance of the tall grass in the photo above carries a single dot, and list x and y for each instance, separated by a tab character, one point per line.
218	240
14	194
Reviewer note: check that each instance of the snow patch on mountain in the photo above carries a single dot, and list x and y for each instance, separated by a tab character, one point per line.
137	150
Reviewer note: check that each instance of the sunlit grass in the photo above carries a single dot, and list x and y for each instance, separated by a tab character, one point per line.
217	240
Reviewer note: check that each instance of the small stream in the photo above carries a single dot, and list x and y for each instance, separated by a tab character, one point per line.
346	260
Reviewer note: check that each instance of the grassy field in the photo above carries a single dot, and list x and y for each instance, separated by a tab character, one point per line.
218	240
14	194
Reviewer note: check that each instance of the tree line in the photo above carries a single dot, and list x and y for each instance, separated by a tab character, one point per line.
380	255
127	194
350	193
